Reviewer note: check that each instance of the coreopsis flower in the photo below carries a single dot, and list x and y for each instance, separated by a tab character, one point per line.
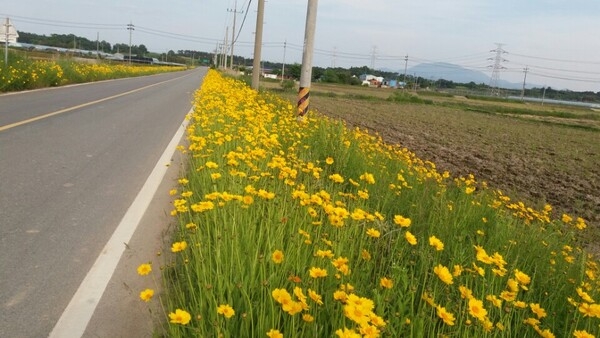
538	310
274	334
582	334
402	221
225	310
522	278
386	283
178	246
443	274
465	292
337	178
457	270
211	165
410	238
180	317
476	309
144	269
367	177
308	318
329	160
373	233
315	297
317	272
347	333
277	256
436	243
146	295
446	316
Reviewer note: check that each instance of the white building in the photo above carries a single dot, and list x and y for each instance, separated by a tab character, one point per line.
12	32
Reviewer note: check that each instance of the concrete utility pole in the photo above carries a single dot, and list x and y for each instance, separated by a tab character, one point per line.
97	45
405	66
235	12
524	80
258	44
130	28
225	47
307	56
283	65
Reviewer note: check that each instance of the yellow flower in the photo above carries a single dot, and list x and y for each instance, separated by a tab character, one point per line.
402	221
465	292
373	233
317	272
522	278
347	333
144	269
457	270
211	165
365	255
277	256
274	334
337	178
538	310
180	317
582	334
178	246
436	243
369	178
329	160
225	310
410	238
308	318
386	283
146	295
315	297
443	274
476	309
446	316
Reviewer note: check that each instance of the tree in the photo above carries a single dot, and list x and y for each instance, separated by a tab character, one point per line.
294	71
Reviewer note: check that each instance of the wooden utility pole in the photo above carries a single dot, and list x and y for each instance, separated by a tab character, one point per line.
307	56
258	44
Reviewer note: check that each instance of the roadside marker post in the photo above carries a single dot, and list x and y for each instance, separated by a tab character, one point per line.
307	55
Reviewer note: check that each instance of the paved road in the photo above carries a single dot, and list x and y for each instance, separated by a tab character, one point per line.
66	180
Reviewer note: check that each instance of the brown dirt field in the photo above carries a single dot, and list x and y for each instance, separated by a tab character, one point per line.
530	158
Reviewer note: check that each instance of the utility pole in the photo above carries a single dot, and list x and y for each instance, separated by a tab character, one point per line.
235	12
496	68
524	79
130	28
283	65
225	47
97	45
258	44
307	56
405	67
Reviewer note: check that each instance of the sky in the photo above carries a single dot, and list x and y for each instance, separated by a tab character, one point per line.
558	41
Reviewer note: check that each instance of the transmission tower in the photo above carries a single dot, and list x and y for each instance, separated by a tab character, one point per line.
498	60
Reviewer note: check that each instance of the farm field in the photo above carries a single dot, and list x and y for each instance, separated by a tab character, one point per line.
534	153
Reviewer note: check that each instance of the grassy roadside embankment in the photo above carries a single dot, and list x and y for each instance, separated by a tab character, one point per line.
312	229
24	73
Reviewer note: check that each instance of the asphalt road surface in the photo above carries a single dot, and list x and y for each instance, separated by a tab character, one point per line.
72	160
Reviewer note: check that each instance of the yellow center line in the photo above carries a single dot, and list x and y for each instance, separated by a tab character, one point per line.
41	117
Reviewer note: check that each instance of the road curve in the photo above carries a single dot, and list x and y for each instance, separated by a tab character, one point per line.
67	179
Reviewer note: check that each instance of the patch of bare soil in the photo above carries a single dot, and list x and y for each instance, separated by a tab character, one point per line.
530	161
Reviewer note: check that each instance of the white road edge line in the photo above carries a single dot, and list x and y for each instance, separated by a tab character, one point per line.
77	315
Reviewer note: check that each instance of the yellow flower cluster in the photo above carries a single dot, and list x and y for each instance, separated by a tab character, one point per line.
361	222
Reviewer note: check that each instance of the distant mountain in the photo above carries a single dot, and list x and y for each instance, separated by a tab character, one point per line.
455	73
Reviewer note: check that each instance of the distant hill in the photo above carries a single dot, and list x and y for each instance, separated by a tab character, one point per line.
455	73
